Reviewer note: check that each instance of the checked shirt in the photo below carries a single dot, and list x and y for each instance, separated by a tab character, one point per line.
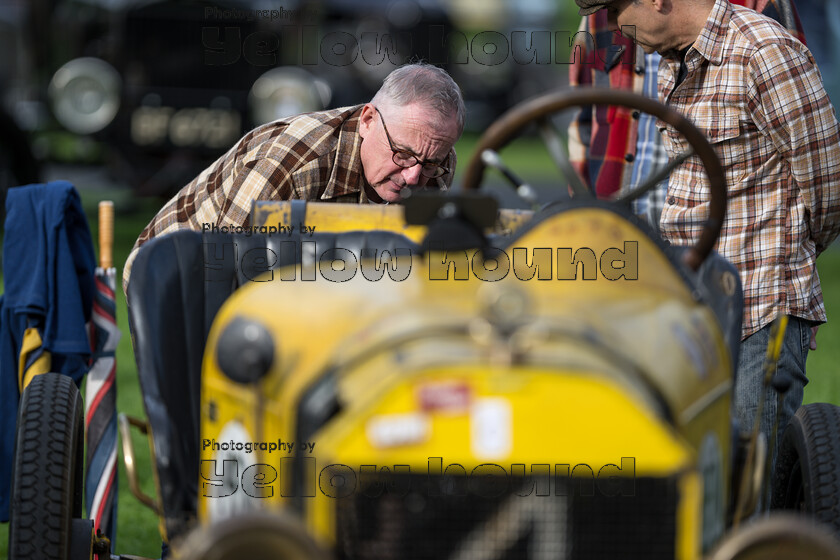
757	94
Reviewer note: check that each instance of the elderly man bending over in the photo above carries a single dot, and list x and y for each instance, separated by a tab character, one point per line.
348	154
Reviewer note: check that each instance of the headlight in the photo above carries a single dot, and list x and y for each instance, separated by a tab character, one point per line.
245	351
85	95
283	92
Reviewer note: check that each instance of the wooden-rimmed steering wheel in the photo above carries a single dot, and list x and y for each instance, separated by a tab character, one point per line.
538	111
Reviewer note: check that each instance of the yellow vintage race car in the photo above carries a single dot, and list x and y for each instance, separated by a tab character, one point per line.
444	379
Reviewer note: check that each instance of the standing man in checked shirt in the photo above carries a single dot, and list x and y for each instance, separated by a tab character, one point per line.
630	138
757	94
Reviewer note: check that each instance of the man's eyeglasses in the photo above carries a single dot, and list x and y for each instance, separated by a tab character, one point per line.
406	159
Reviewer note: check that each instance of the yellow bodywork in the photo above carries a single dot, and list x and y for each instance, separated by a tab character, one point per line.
588	370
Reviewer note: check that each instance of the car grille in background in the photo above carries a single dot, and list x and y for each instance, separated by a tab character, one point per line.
419	517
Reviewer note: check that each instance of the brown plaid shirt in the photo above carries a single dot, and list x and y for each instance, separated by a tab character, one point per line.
314	156
757	94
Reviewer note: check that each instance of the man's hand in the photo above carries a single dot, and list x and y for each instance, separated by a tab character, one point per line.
814	337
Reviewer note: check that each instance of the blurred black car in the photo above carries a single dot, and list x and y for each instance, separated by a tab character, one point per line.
159	89
18	165
143	87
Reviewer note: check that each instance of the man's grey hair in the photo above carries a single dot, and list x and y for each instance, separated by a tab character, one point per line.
426	84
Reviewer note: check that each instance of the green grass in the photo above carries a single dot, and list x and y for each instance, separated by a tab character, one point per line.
527	156
137	527
823	363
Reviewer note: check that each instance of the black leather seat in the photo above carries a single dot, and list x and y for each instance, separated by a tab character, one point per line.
178	283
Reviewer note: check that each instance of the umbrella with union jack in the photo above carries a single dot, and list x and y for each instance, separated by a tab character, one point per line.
101	389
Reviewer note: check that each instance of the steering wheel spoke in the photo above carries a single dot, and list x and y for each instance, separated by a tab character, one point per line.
557	150
655	178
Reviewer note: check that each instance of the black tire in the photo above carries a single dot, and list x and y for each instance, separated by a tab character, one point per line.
47	472
807	476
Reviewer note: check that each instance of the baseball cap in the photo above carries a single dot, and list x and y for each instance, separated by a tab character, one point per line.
588	7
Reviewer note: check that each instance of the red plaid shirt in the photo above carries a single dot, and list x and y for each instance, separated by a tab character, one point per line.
602	141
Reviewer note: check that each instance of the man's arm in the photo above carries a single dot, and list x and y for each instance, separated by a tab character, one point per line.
789	104
220	196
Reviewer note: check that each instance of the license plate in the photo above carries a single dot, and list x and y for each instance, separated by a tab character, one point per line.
189	127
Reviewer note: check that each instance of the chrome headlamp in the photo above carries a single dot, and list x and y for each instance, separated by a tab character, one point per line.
287	91
85	95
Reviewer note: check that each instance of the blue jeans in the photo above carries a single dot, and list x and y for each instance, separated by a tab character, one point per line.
750	379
